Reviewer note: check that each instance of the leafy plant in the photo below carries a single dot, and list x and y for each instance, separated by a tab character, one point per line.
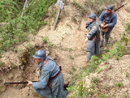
127	74
74	19
71	57
45	39
119	84
2	64
127	27
80	88
70	88
99	69
126	96
80	7
96	80
73	68
50	45
17	29
125	39
31	50
103	96
14	66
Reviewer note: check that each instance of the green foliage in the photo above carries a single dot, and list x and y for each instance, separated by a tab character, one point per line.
120	49
99	69
45	39
96	4
127	27
70	88
2	64
74	19
125	39
73	68
31	50
71	57
14	66
9	9
96	80
80	8
80	88
50	45
18	28
127	74
92	66
119	84
126	96
103	96
70	49
107	88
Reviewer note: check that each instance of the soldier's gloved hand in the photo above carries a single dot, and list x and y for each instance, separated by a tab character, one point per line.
102	25
29	83
86	40
105	26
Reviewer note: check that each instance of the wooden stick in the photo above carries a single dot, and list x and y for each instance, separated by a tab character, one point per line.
55	23
25	4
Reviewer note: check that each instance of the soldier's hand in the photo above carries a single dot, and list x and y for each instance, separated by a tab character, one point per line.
102	25
86	40
105	26
29	83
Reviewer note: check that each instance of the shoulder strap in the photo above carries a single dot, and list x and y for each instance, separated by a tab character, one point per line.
111	16
108	16
105	17
43	64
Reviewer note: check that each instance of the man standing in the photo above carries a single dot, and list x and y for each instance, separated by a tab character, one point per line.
51	78
107	21
92	38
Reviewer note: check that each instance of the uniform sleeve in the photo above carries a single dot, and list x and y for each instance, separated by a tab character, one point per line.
43	82
101	17
92	32
114	21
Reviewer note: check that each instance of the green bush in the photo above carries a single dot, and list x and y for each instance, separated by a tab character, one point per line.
127	27
18	28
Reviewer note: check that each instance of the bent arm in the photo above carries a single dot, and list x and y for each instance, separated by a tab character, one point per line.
92	32
43	80
101	17
114	21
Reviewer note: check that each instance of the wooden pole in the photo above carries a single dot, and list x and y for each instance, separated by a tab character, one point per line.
55	23
57	18
25	4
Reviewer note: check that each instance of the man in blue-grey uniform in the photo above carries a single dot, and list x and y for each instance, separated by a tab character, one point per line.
51	78
107	19
92	38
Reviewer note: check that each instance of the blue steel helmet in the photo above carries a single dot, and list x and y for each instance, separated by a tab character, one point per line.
40	54
92	15
109	7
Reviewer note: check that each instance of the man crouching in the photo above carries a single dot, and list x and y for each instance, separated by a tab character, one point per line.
51	78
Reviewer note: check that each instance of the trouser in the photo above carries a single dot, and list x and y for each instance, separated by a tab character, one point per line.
57	89
95	50
107	35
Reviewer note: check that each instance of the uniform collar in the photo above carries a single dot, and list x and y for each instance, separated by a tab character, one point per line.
40	64
109	13
89	25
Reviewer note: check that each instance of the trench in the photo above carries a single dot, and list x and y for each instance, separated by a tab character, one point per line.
26	71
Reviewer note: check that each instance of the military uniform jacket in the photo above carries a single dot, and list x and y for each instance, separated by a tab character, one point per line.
93	32
50	69
111	23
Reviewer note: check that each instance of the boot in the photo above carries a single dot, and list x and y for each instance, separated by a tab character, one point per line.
101	45
106	41
66	85
85	65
